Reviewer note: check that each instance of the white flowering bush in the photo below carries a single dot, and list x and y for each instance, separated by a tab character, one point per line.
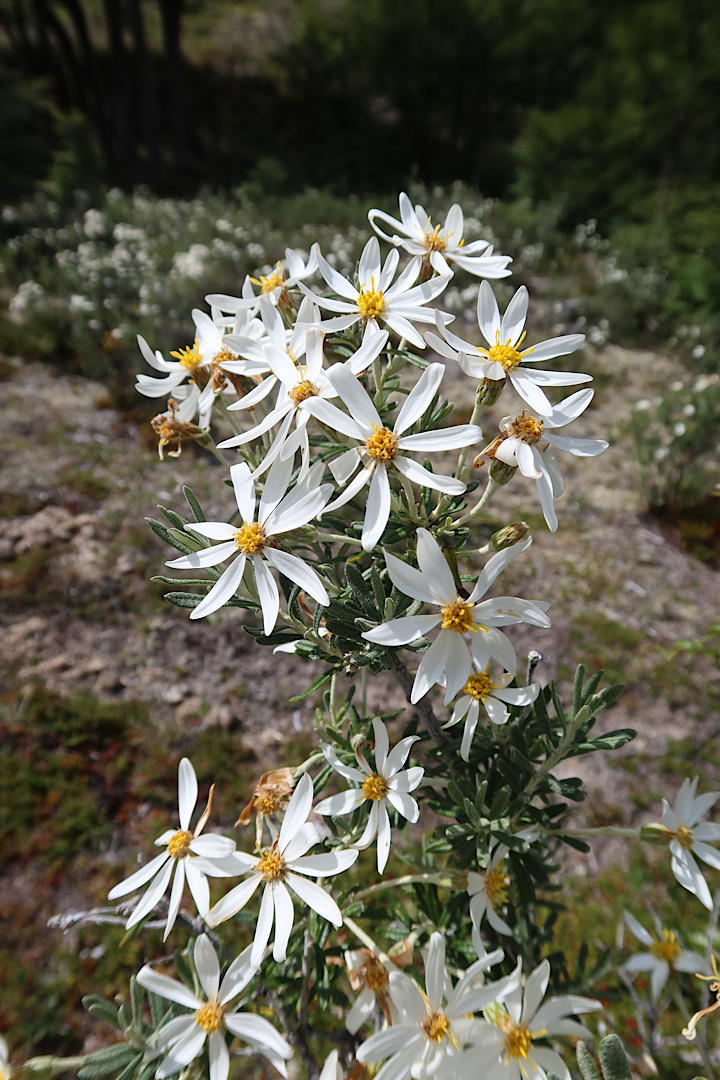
393	910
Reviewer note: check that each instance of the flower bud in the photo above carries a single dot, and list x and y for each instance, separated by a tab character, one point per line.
489	391
510	535
502	473
654	833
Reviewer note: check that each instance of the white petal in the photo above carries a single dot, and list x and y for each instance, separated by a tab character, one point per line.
167	988
419	398
218	1056
344	803
267	593
513	320
383	837
488	313
421	476
187	792
178	887
299	572
263	926
284	915
435	971
402	631
316	898
205	557
434	567
225	587
432	665
233	901
377	511
410	581
355	397
152	895
208	968
139	877
297	811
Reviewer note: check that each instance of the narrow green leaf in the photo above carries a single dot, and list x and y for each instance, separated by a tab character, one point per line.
103	1009
314	685
194	504
174	519
107	1060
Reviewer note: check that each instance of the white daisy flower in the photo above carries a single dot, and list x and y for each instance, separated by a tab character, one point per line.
688	839
427	1037
279	512
380	448
505	1047
275	286
494	694
527	444
205	365
276	339
184	1037
375	299
488	893
387	783
448	657
437	245
188	854
503	359
283	868
665	955
298	384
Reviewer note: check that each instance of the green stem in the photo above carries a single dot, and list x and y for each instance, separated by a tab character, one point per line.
603	830
366	940
410	498
52	1066
337	538
485	498
407	879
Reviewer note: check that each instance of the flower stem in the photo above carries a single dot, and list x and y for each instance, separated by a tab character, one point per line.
423	707
366	940
406	879
485	498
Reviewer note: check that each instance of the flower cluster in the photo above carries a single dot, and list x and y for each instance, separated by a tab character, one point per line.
356	533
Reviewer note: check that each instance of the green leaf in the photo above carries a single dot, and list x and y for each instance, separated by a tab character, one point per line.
314	685
103	1009
183	599
612	741
137	1002
165	535
108	1060
613	1061
194	504
172	517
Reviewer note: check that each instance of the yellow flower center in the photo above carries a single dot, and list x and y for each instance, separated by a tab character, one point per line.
526	427
224	354
189	358
376	978
370	303
271	865
437	1027
209	1016
302	391
667	949
496	886
179	844
458	617
432	241
518	1039
375	787
250	538
266	804
684	835
382	444
272	281
479	686
506	354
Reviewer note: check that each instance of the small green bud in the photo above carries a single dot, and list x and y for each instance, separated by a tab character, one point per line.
510	535
654	833
489	391
500	472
